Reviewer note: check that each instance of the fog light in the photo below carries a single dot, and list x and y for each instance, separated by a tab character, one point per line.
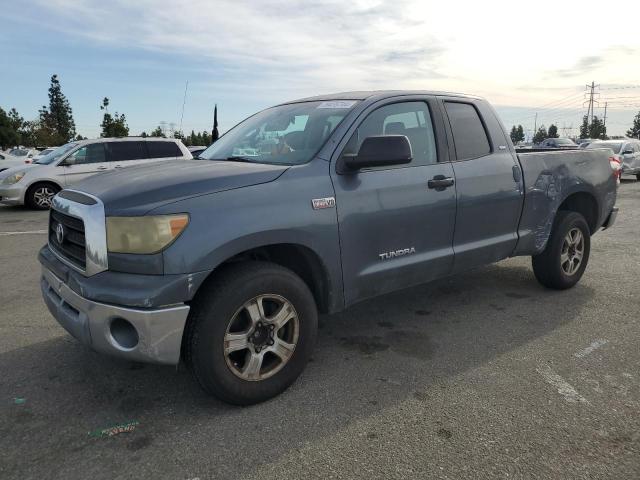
124	333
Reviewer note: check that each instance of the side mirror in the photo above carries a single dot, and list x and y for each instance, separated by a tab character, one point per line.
67	162
379	151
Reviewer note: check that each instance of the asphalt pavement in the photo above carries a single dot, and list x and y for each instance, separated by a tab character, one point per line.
482	375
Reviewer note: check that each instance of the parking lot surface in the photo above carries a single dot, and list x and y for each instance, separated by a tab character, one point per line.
482	375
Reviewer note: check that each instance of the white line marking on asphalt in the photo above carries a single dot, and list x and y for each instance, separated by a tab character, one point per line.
32	232
569	393
594	346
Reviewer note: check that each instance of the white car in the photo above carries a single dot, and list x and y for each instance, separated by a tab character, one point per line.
42	153
25	154
8	161
627	152
36	184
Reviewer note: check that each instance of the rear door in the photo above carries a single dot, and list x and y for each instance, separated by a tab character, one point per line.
488	185
395	230
126	153
84	162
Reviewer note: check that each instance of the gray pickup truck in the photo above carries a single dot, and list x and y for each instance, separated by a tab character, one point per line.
307	207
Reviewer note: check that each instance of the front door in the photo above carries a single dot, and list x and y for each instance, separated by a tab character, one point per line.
84	162
396	227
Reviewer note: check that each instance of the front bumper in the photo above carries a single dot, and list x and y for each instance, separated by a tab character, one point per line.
12	194
144	335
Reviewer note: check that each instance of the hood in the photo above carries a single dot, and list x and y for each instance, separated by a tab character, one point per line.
15	167
136	190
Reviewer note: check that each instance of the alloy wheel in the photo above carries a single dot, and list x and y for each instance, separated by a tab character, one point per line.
261	337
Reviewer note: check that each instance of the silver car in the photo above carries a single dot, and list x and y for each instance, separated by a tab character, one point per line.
36	184
627	152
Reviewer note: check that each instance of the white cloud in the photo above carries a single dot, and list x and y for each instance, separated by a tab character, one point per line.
279	49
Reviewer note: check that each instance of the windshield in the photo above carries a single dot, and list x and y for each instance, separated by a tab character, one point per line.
17	152
55	154
615	146
285	135
564	141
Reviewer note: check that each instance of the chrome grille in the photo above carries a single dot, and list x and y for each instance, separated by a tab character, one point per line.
73	244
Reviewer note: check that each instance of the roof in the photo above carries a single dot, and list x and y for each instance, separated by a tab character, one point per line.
125	139
376	95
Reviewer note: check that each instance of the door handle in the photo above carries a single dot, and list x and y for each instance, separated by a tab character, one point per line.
101	168
118	166
440	182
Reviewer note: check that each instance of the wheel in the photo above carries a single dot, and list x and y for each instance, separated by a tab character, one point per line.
638	176
566	255
39	196
251	332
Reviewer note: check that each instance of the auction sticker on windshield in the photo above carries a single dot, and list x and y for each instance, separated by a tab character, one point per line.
337	104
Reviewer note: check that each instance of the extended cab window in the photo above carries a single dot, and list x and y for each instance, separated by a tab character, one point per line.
122	151
87	154
411	119
163	149
469	135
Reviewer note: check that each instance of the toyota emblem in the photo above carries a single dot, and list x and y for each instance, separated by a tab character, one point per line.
60	233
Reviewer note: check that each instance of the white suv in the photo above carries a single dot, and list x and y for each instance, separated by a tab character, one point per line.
36	184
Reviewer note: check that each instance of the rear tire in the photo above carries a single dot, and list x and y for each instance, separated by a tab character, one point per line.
638	176
39	195
564	260
250	333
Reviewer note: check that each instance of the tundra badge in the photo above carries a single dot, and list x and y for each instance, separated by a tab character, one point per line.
397	253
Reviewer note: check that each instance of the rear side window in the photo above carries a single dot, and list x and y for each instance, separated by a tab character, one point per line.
88	154
122	151
163	149
469	135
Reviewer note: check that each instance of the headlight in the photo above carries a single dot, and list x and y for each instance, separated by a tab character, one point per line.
144	234
11	179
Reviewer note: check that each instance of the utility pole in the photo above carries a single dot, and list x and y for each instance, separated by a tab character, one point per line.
535	126
184	101
592	91
605	115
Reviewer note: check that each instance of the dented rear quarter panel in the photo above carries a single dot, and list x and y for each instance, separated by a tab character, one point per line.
549	179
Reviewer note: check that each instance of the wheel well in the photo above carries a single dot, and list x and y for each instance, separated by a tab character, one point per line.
585	204
301	260
43	182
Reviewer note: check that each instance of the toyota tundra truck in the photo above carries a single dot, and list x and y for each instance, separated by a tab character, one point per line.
309	206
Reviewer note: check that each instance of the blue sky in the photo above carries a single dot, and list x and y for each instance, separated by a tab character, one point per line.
246	55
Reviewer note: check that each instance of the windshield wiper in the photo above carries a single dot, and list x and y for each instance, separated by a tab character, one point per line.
239	159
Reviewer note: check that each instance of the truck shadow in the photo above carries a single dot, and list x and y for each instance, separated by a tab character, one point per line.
373	356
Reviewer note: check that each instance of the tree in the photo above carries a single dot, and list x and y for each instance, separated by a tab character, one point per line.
157	133
144	135
584	128
113	126
634	131
597	129
80	137
520	133
540	135
8	135
514	134
553	131
57	119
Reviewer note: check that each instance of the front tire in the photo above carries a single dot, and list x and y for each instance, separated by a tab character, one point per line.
564	260
251	331
39	195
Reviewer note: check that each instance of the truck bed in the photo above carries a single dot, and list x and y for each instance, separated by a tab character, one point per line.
553	175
